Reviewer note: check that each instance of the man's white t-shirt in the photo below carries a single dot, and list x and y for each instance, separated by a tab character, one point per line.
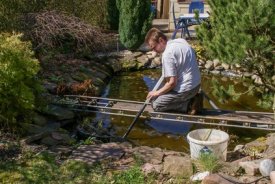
179	59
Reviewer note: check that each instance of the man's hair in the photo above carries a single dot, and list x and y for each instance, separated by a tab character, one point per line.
154	34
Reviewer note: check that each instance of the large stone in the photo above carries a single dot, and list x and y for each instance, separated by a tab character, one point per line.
156	62
216	62
225	66
39	120
143	61
209	65
177	166
96	153
258	80
137	54
219	68
250	167
266	166
115	64
148	168
151	54
270	141
150	155
57	138
199	176
272	177
58	112
32	128
216	179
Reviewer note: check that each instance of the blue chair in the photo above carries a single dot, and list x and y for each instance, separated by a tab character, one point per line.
195	6
179	25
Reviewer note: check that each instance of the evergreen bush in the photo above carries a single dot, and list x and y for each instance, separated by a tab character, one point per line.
113	14
242	32
18	83
135	19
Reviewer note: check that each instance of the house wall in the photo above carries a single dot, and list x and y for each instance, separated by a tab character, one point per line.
180	8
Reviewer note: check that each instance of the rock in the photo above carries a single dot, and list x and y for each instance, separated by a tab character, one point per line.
50	87
62	150
199	176
115	64
58	112
270	141
144	47
250	167
238	147
150	155
156	62
273	77
137	54
258	80
219	68
33	138
57	138
272	177
254	76
143	61
225	66
238	66
96	153
32	128
215	72
39	120
151	54
216	62
177	166
148	168
232	67
128	63
49	141
247	74
266	166
209	65
215	179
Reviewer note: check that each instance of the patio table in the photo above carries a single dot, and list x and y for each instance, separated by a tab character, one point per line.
183	22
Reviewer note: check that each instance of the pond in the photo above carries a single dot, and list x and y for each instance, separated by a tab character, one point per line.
167	134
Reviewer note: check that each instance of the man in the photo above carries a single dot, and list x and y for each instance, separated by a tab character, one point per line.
181	74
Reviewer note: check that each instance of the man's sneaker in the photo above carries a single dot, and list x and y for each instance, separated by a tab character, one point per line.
196	104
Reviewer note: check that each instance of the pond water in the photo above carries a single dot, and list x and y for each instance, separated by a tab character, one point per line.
167	134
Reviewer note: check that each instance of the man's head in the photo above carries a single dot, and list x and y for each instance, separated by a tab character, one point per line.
156	40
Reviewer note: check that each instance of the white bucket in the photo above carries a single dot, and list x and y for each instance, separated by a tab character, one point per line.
213	140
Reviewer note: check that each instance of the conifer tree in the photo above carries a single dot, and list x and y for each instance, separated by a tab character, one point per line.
242	31
134	21
113	14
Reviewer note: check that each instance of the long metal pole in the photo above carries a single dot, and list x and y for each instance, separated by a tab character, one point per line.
143	107
213	105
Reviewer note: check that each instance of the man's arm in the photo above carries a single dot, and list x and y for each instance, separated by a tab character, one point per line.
170	83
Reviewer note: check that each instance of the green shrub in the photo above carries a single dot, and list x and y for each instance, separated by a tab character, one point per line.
135	19
113	14
208	162
18	84
133	175
247	39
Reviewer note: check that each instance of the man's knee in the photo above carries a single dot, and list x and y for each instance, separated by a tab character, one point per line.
157	107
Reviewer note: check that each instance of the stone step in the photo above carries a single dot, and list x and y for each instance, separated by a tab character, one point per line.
161	24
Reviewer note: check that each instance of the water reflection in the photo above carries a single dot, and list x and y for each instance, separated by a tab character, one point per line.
167	134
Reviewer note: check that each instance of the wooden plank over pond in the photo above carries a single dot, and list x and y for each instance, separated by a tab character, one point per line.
240	119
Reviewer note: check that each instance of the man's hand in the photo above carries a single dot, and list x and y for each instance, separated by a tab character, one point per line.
171	82
152	94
